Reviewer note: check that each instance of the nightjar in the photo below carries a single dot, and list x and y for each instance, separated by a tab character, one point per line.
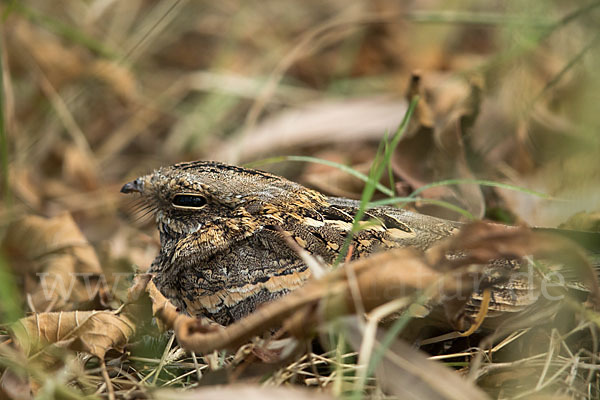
223	250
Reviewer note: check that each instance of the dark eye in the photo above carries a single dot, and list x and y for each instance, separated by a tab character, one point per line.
189	200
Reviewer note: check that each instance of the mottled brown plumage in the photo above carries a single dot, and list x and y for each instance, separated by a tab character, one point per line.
222	247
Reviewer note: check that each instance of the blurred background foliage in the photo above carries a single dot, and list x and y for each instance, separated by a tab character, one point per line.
96	92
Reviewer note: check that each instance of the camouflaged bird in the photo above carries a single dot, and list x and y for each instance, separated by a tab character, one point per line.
223	250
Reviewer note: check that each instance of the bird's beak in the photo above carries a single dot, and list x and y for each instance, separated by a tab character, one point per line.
133	186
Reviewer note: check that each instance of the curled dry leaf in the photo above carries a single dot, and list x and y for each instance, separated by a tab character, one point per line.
60	267
572	185
46	235
139	286
94	332
161	306
434	147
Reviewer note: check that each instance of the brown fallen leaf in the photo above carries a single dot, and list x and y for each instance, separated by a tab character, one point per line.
571	186
94	332
143	285
60	267
434	148
47	235
317	123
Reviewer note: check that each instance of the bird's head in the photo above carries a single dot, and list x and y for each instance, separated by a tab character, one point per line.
212	204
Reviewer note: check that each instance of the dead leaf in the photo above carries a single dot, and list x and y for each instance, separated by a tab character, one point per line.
94	332
318	123
144	288
433	148
60	267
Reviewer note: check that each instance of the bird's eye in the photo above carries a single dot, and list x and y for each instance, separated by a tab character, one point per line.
188	201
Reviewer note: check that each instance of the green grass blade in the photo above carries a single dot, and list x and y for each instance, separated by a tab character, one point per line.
413	196
382	160
315	160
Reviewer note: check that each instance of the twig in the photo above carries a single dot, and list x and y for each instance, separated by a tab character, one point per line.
549	355
196	366
109	387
